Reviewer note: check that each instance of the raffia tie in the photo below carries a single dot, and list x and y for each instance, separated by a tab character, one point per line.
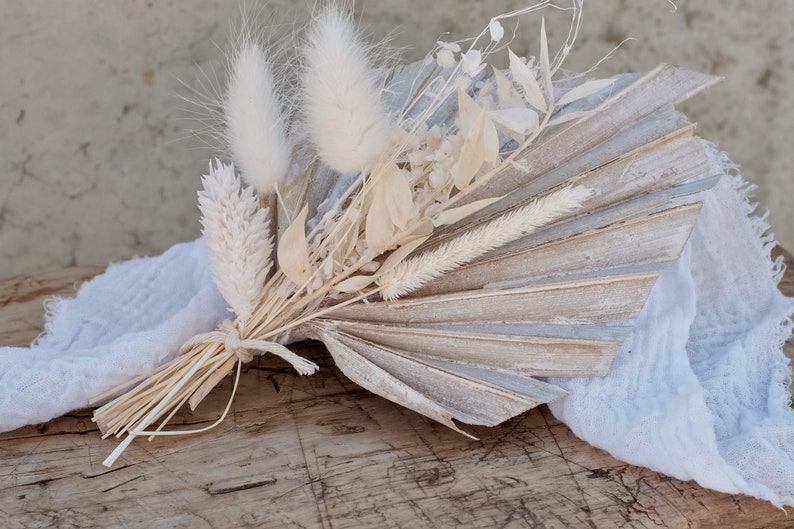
246	349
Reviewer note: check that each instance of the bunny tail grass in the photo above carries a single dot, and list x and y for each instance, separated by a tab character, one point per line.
255	128
342	104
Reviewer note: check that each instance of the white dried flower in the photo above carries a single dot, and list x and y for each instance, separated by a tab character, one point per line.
239	238
344	112
445	58
255	129
454	47
471	62
496	30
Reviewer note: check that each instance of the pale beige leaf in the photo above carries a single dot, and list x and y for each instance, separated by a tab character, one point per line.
526	79
350	240
569	116
545	69
422	229
418	230
401	253
400	198
471	155
470	117
520	121
584	90
490	142
354	284
505	92
451	216
293	253
379	228
468	110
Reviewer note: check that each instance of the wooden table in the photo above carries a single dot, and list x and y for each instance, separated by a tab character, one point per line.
321	452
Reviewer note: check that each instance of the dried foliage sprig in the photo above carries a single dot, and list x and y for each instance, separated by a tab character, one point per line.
413	273
417	169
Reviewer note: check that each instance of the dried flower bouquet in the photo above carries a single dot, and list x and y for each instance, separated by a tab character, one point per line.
449	230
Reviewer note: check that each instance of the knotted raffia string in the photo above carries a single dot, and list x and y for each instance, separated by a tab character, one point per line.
237	349
246	349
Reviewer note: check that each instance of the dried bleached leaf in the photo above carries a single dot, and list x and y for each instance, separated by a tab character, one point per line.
516	121
545	68
505	92
568	116
468	111
293	252
526	80
584	90
479	141
451	216
398	255
472	154
379	227
394	186
421	229
490	142
354	284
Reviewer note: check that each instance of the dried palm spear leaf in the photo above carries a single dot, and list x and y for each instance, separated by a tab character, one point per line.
453	233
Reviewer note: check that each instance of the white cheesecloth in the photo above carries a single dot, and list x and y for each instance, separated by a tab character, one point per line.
123	323
698	391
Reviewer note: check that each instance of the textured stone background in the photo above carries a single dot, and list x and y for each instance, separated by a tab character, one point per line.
96	163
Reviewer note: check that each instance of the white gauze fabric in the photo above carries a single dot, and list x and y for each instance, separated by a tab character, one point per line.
122	323
700	390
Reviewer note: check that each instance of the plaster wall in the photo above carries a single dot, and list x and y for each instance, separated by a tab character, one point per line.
97	163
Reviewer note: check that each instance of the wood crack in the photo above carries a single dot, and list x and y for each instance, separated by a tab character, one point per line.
214	490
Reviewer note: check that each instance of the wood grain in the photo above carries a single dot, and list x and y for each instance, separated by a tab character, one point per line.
321	452
21	298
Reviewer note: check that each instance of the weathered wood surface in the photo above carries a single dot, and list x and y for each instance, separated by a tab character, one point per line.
321	452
